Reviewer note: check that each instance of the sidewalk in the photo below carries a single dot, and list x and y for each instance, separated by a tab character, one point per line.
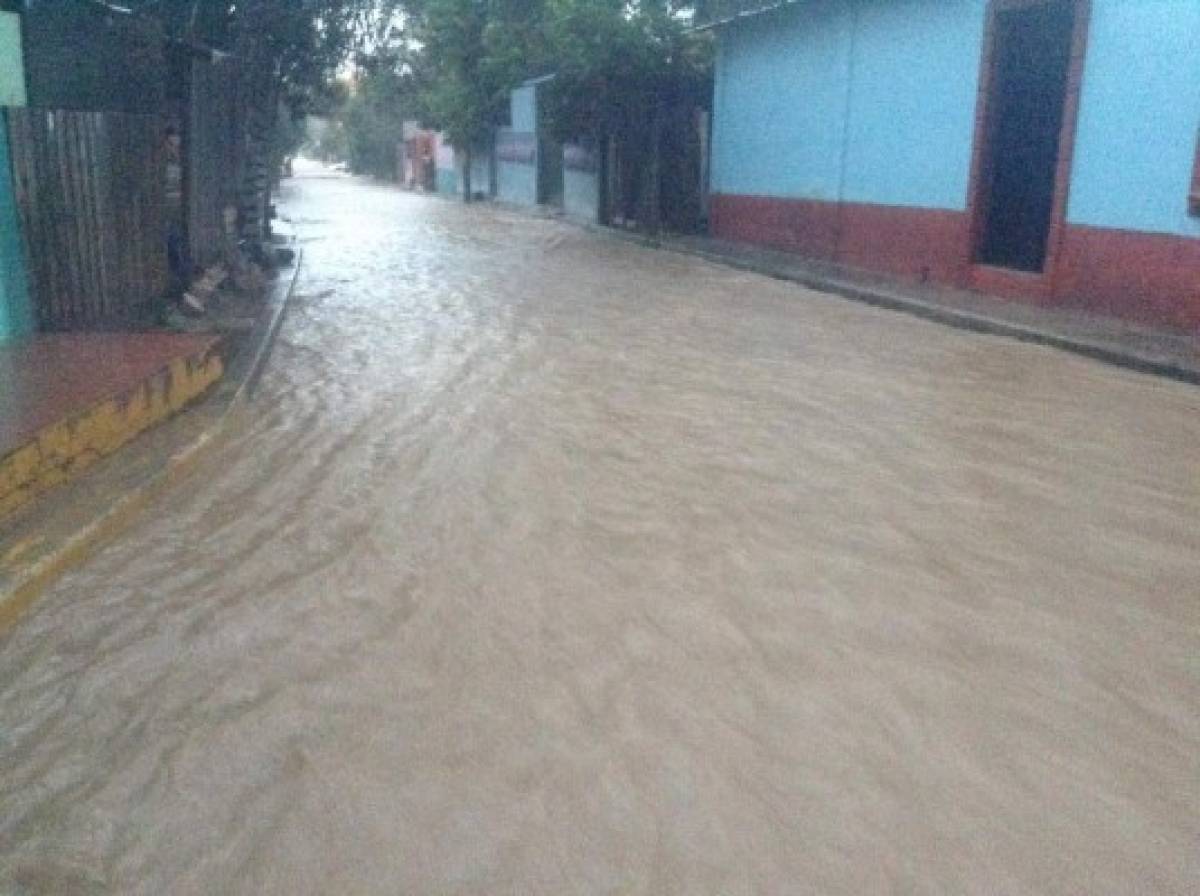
71	399
80	399
1155	350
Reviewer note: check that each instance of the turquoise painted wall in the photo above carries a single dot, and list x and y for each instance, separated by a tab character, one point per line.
16	312
523	109
865	101
581	194
1139	117
12	61
516	183
781	97
912	102
447	181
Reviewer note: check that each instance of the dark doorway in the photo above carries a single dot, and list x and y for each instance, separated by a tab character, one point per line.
1027	94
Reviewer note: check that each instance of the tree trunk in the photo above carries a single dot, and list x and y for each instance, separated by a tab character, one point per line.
259	100
467	176
255	191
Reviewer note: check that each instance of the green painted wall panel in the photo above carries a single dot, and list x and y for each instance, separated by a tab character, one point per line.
12	61
16	312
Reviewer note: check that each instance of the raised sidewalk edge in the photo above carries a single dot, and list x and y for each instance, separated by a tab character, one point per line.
896	298
57	536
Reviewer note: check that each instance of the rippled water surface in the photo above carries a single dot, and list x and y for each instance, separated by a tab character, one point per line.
545	564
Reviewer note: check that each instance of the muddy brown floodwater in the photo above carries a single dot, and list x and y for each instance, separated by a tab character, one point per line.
545	564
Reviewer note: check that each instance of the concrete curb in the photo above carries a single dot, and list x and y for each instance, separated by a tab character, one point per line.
894	300
258	352
23	582
65	448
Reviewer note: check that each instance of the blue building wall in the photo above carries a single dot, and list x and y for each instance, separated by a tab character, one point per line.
866	101
1139	117
874	101
912	102
523	109
845	130
445	160
516	183
517	152
16	313
447	181
451	170
781	97
581	194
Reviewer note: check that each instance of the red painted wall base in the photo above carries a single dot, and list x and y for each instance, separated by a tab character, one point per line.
1144	277
913	243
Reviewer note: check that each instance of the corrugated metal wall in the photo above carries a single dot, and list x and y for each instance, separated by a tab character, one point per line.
89	188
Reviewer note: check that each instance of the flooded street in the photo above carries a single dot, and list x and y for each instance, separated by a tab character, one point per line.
547	564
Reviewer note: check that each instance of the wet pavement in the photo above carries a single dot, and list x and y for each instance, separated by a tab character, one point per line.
543	563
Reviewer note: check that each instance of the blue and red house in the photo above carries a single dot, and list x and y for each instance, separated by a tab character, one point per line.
1037	149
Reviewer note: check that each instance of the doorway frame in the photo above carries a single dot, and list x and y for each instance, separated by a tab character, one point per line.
1006	281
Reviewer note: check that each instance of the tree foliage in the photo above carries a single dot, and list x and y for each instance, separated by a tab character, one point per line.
452	63
471	53
384	96
612	60
299	45
615	60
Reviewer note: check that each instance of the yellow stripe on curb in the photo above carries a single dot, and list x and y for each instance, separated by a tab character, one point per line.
24	574
63	450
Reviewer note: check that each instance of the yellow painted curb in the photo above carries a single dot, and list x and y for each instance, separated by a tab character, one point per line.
65	449
28	578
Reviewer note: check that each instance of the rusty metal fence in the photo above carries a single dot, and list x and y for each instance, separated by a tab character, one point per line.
89	189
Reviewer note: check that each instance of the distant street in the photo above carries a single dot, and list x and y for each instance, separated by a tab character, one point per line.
547	564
